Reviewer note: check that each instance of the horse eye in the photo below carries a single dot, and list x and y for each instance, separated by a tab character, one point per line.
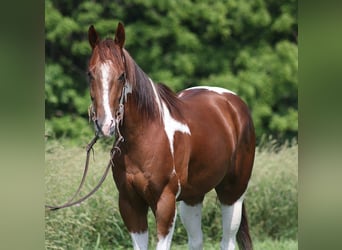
90	76
122	77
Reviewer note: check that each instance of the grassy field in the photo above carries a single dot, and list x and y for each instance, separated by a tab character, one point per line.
271	203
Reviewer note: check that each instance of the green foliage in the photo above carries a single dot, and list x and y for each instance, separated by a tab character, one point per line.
249	47
271	199
271	203
68	126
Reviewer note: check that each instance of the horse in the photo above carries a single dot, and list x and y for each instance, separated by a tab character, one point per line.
174	147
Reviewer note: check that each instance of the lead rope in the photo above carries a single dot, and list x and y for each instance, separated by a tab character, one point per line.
70	201
115	149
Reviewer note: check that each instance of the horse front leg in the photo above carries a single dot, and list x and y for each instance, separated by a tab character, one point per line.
134	215
165	214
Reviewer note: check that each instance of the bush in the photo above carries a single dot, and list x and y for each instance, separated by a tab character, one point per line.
249	47
69	126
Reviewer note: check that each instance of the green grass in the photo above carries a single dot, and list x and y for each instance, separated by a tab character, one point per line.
271	202
263	245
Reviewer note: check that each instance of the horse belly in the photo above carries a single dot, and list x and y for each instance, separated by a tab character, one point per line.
209	161
204	174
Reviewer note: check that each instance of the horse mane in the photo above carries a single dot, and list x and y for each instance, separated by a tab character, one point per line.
143	93
170	99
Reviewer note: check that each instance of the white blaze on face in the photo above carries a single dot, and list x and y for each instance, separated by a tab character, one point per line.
108	122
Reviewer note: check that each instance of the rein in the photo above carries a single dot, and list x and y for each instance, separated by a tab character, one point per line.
115	149
71	201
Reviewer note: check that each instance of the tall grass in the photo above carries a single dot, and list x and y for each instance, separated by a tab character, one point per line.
272	195
271	202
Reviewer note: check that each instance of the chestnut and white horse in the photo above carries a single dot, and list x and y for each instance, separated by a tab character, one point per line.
175	147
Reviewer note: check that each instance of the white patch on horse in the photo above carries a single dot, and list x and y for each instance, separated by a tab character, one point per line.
231	219
108	122
156	96
140	240
164	243
191	217
179	187
214	89
171	126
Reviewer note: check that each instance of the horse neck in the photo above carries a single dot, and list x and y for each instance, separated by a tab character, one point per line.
148	102
143	106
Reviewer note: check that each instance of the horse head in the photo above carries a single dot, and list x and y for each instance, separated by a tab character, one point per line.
107	78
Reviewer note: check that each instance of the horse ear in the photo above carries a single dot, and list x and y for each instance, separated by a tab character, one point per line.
120	35
93	37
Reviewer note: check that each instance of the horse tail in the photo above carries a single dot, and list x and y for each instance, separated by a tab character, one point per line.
243	237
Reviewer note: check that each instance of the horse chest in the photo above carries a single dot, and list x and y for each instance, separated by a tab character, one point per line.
144	178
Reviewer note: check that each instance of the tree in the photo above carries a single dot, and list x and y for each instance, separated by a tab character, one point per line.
249	47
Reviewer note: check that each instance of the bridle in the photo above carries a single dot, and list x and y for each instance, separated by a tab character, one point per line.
119	113
119	116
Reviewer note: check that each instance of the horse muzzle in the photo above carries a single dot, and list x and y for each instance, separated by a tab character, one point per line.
106	129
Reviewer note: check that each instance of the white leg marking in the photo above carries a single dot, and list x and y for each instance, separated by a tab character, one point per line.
171	126
108	122
164	243
214	89
140	240
191	217
231	218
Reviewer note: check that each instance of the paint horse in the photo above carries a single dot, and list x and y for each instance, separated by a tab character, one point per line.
175	147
